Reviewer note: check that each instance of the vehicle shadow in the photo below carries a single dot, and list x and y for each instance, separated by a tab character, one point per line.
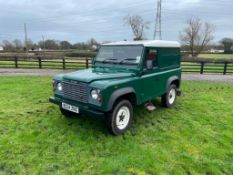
96	126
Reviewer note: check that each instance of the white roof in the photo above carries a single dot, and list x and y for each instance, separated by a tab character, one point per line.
147	43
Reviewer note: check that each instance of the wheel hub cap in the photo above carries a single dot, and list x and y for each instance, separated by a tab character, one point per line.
172	96
122	118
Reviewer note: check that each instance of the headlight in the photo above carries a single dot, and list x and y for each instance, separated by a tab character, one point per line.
59	86
94	94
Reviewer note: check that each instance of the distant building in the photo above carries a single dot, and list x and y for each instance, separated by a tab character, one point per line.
94	47
215	51
38	49
1	48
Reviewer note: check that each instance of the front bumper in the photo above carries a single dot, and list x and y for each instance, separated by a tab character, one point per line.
82	110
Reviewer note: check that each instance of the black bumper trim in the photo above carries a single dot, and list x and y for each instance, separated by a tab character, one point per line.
89	112
54	101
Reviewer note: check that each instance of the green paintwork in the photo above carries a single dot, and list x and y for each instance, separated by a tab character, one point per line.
90	75
147	84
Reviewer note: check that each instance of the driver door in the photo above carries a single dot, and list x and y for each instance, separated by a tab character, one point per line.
150	78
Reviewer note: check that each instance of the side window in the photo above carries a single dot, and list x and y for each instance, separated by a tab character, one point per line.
150	60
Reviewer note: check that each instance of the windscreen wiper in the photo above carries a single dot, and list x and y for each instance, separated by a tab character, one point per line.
109	60
128	60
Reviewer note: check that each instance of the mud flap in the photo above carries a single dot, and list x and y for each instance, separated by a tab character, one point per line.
178	92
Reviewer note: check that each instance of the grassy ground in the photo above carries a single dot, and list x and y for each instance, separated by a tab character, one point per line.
194	137
216	56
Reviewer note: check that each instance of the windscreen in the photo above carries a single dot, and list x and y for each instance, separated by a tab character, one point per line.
120	54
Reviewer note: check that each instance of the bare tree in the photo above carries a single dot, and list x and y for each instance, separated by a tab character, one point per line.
197	35
227	44
18	44
65	45
137	24
7	45
92	42
30	44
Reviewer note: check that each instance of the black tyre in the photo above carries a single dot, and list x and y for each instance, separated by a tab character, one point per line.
120	119
68	114
169	99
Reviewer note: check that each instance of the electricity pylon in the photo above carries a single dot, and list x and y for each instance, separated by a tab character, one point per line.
158	30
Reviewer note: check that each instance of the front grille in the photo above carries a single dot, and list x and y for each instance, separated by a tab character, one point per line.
75	91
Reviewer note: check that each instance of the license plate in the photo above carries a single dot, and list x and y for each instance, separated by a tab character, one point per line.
70	108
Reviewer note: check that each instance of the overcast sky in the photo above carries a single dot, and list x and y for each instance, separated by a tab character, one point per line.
79	20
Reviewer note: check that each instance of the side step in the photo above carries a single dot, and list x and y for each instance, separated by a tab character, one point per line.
150	106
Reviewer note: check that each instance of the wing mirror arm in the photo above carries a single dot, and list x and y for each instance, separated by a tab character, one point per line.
92	61
143	71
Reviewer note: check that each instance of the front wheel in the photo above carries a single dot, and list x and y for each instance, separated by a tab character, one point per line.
169	99
120	119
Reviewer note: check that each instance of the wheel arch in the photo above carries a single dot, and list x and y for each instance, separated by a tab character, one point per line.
124	93
173	80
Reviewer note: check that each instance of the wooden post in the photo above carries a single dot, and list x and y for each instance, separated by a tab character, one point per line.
16	62
39	62
63	63
202	68
225	68
87	64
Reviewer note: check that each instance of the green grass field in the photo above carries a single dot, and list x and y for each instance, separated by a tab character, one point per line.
194	137
216	56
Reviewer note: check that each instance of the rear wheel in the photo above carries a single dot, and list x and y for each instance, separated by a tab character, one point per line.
120	119
169	99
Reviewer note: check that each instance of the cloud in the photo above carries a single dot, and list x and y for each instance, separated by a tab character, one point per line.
78	20
181	4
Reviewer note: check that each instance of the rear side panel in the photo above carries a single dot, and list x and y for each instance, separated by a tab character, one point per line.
169	58
169	65
155	82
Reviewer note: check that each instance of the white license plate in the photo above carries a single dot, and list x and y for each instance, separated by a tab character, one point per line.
70	108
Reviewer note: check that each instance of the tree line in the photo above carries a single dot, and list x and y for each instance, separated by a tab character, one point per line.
50	44
227	44
196	37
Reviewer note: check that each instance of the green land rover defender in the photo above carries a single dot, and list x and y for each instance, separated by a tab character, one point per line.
123	75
